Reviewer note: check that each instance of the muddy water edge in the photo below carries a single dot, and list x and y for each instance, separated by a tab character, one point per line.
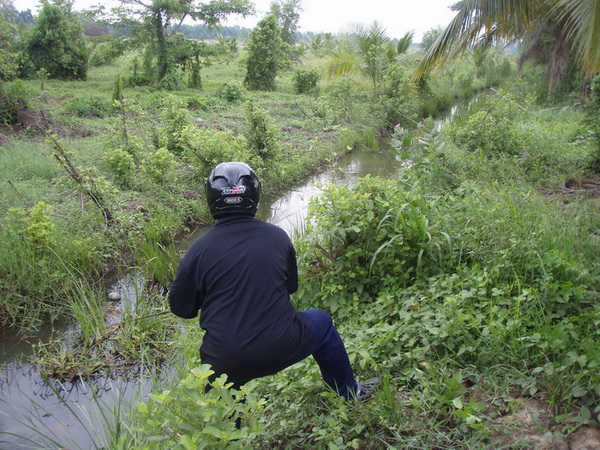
35	414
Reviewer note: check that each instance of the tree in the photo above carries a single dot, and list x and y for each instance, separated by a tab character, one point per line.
372	53
156	21
288	15
8	64
486	21
266	55
12	24
57	44
430	36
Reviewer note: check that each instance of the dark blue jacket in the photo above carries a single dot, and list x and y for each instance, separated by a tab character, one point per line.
240	274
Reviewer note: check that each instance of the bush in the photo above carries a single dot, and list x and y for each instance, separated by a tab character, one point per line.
260	132
360	240
202	103
494	128
56	43
92	106
189	417
106	52
158	166
231	92
205	148
174	117
14	98
122	165
171	82
305	81
139	77
593	120
397	101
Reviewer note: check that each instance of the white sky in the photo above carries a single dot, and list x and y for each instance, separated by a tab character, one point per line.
396	16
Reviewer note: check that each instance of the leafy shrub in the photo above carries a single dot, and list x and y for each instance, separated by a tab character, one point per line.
201	103
266	55
171	82
122	166
14	98
497	72
8	65
358	240
56	43
106	52
231	92
138	76
91	106
493	128
194	77
174	117
593	120
189	417
344	101
305	81
260	132
158	166
396	99
205	148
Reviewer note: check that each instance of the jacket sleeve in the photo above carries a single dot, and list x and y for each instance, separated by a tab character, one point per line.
185	296
292	280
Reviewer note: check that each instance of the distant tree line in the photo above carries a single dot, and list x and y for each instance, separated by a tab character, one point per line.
18	18
199	31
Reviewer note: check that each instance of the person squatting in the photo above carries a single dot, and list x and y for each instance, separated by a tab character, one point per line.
241	274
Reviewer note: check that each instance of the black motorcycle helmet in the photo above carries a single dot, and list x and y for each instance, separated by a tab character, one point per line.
232	188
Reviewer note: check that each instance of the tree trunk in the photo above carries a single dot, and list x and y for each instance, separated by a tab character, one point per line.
161	41
559	60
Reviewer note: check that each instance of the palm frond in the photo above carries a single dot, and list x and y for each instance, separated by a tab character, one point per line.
479	21
582	19
405	42
343	64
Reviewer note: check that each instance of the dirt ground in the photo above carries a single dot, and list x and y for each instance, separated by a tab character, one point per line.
528	427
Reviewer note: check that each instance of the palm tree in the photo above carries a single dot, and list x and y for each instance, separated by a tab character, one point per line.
485	21
371	52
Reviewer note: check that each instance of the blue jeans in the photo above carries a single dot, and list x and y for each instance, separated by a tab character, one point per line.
328	349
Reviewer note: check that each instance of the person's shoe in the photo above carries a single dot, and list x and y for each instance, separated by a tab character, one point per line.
365	389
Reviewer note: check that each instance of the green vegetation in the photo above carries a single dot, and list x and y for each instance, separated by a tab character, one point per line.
266	55
56	44
470	283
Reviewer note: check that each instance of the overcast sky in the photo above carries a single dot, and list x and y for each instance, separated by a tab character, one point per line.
396	16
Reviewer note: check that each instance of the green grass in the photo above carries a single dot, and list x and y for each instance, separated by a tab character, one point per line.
24	161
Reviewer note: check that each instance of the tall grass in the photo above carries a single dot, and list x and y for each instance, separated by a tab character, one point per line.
88	312
41	268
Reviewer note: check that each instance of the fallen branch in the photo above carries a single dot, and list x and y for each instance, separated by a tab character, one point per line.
60	154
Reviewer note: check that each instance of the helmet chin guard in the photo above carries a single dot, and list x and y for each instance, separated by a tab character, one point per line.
232	188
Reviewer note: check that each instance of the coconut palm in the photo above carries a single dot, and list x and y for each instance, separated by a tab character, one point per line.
486	21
